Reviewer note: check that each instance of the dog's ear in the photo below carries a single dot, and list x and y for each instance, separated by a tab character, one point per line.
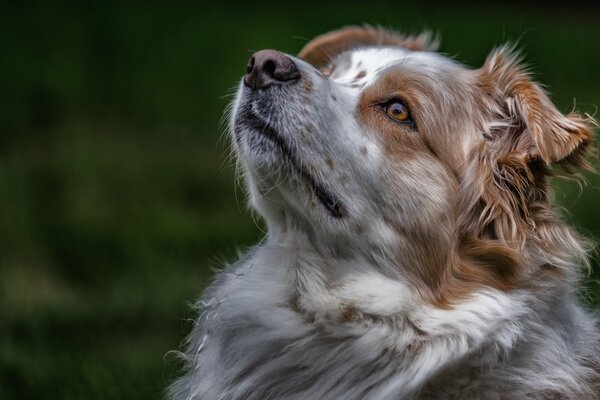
323	48
528	125
504	187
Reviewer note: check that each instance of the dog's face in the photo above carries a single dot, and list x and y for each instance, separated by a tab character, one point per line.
373	143
352	146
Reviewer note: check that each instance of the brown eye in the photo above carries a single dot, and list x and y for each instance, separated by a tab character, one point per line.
397	110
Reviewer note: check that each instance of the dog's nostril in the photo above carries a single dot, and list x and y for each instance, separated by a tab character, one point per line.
269	67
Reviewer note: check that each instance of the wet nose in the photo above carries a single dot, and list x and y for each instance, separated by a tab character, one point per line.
269	67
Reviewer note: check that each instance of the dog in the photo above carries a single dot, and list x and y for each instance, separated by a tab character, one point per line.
413	250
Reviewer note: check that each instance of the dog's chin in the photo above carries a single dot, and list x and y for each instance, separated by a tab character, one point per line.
271	155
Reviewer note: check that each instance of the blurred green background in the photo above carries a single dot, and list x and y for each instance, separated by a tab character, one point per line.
116	197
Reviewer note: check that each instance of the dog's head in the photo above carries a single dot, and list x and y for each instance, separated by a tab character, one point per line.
372	143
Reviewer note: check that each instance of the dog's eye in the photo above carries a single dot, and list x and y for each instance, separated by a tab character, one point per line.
396	110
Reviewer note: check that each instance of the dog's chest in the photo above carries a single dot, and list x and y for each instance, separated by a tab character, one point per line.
262	333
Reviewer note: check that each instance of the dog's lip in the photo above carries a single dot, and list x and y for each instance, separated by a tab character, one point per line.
250	119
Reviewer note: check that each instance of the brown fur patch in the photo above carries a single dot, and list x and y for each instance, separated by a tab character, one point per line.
479	263
322	49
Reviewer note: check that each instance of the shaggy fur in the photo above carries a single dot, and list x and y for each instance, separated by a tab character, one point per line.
414	259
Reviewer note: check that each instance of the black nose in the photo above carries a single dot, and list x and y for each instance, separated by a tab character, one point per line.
269	67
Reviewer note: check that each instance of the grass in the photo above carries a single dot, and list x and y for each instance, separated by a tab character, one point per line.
116	200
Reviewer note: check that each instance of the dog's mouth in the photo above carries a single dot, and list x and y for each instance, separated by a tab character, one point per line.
330	202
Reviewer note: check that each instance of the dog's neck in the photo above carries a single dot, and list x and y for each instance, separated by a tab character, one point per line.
351	293
341	285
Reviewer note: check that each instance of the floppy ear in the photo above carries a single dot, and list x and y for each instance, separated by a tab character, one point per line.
530	126
322	49
504	187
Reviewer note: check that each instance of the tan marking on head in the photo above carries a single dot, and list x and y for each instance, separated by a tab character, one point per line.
396	137
322	49
329	163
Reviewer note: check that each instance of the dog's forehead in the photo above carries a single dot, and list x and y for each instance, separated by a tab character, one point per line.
366	64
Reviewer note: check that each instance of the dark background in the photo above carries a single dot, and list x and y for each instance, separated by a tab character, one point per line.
116	196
